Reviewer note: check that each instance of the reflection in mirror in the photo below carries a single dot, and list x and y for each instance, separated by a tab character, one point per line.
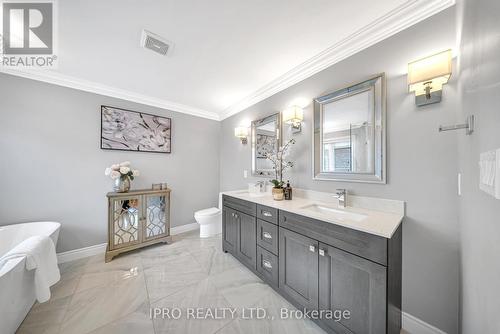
349	134
126	220
265	139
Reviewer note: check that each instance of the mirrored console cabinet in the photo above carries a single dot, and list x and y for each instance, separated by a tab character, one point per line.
136	219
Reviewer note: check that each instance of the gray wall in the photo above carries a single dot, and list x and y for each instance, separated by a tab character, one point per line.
479	212
422	163
52	166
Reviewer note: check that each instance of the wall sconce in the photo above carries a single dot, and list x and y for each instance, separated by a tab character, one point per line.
294	116
427	76
242	133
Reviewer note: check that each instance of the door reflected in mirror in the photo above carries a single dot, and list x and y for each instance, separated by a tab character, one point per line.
349	133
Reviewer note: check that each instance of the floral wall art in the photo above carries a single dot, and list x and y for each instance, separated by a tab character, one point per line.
134	131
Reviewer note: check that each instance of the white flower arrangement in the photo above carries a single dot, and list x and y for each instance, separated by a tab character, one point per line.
278	160
121	170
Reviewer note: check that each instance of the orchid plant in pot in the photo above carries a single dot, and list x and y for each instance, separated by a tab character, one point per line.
122	174
280	165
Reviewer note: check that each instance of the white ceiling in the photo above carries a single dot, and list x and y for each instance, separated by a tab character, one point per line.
228	54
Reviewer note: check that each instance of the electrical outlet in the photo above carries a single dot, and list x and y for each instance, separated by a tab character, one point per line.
245	174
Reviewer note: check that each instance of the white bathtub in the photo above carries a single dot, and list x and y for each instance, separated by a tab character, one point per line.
17	292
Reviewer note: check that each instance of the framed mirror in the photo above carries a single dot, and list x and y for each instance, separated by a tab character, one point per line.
266	134
349	141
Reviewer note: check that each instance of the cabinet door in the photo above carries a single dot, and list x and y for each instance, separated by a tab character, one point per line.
298	268
156	215
124	225
247	242
349	282
229	230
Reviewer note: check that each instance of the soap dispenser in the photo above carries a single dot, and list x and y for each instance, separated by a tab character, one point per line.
288	191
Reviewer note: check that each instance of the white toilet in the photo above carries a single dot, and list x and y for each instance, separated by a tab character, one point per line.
210	221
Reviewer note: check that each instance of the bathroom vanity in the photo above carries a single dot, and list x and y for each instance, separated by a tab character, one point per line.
321	257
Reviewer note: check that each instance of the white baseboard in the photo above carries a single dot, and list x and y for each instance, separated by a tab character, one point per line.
413	325
81	253
184	228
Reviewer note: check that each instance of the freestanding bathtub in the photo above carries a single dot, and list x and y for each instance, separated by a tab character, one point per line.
17	291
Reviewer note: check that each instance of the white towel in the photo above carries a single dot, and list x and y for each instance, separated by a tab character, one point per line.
40	254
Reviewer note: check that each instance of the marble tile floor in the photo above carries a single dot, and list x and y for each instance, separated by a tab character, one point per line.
107	298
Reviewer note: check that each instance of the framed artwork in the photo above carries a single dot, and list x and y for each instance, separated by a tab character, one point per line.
127	130
264	144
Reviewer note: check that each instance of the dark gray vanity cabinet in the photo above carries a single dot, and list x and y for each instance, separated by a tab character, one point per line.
239	230
349	282
317	265
246	249
357	271
298	268
229	230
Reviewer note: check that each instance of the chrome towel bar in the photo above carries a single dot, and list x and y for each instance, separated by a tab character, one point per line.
468	126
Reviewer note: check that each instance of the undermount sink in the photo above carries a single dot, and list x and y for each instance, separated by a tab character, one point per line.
256	194
335	213
249	193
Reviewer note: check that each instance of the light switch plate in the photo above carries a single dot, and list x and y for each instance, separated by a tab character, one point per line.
245	174
459	182
489	173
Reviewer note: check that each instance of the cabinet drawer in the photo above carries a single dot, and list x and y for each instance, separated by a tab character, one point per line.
267	236
267	213
267	265
238	204
371	247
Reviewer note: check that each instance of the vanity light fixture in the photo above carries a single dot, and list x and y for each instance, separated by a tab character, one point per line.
427	76
242	133
294	116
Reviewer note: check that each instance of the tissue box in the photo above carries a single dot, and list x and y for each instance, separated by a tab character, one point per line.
489	173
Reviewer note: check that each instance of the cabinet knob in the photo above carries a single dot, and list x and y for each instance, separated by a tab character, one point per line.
267	235
267	264
267	214
312	248
321	252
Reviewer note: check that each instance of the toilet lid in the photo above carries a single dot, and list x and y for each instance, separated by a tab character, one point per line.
207	212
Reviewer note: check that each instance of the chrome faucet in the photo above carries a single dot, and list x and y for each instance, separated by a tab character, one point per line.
341	195
262	185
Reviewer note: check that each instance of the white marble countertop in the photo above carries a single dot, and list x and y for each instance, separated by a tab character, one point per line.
382	217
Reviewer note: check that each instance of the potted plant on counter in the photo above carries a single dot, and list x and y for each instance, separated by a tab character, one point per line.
278	160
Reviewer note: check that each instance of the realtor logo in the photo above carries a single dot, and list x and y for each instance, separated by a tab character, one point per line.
28	29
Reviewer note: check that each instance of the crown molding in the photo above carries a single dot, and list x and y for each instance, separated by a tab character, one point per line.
402	17
97	88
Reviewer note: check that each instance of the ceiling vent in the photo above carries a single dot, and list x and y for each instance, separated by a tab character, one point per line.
155	43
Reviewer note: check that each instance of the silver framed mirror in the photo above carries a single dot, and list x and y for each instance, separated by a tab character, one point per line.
349	135
266	137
